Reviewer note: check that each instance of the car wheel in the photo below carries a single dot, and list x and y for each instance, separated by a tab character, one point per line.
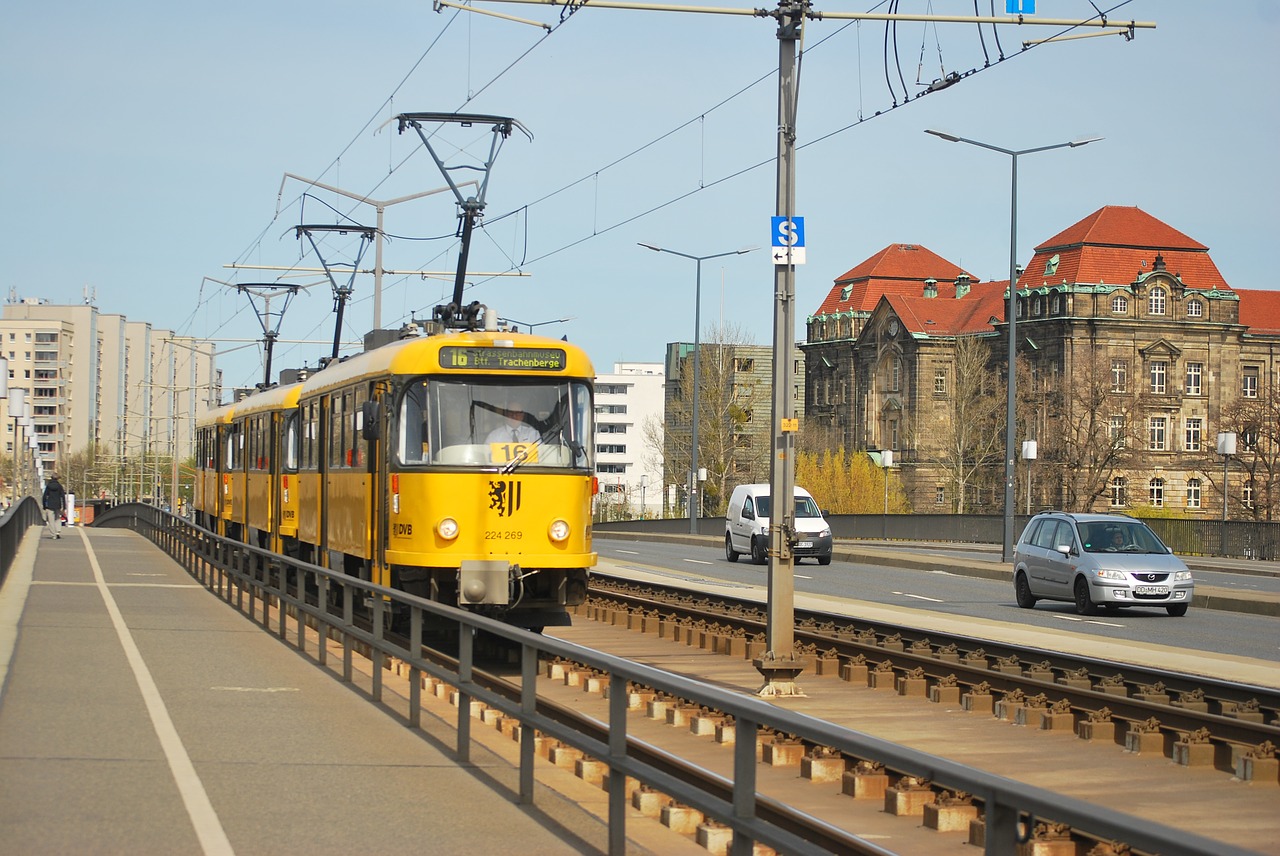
1026	599
759	554
1177	610
1084	603
729	553
824	560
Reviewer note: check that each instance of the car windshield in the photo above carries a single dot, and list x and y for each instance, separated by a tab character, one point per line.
805	507
1120	536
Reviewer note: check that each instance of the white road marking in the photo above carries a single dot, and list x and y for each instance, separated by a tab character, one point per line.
630	552
801	577
208	829
1086	620
919	597
698	562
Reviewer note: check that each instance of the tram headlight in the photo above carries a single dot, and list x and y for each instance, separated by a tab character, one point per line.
447	528
559	530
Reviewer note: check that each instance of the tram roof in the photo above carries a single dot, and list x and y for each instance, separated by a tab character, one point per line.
421	355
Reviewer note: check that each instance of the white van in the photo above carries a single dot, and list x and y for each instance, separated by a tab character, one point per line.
746	527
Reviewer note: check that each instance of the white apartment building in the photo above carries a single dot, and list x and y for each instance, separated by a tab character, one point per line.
629	405
98	380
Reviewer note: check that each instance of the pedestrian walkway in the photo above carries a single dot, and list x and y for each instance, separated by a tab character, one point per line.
140	714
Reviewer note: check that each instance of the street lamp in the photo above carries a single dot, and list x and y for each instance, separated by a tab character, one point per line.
697	370
513	321
1012	313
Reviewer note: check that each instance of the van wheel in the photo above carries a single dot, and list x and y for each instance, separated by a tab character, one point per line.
1177	610
759	554
824	560
1084	603
1026	599
729	553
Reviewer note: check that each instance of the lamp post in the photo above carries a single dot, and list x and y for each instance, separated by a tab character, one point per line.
886	461
644	483
1012	313
697	371
516	323
1226	448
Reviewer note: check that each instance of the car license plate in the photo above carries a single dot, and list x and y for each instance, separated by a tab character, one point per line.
1151	589
804	544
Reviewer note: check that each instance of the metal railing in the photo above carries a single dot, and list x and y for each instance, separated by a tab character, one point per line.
13	528
235	571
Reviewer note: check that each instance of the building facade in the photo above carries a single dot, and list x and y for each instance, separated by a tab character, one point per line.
1133	355
99	381
735	406
629	441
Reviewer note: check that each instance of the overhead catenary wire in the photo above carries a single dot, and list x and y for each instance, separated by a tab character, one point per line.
526	209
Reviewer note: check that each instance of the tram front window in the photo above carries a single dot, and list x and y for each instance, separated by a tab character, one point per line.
543	423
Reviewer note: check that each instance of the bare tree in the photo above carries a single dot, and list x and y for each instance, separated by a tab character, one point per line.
968	430
728	404
1094	428
1256	423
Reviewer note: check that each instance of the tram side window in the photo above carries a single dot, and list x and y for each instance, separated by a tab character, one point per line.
311	436
290	444
234	447
336	445
412	446
357	445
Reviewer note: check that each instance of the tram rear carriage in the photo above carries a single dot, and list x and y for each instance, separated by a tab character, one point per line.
267	425
459	467
212	500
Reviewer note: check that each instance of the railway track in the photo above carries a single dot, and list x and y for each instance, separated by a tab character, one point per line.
1238	724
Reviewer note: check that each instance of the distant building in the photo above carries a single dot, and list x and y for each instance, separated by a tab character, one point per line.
99	380
629	402
1137	354
734	418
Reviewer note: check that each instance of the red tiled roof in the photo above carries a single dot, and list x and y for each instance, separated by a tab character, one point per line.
1123	226
897	269
948	316
1260	310
1115	245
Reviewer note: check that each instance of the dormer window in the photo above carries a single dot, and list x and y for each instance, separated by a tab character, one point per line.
1051	266
845	292
1055	304
1195	309
1156	301
1119	305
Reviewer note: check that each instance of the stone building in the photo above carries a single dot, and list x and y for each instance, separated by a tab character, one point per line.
1134	353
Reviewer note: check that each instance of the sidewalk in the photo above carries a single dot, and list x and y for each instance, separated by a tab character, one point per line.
140	714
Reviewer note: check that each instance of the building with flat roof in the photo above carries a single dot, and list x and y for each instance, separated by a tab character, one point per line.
629	432
98	381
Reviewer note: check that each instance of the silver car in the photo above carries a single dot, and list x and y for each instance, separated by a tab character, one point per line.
1091	560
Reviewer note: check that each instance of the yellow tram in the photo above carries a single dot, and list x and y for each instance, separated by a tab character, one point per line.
457	466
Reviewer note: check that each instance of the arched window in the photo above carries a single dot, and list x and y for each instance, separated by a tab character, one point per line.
1119	491
1195	309
1193	493
1155	492
1156	301
1055	304
1119	304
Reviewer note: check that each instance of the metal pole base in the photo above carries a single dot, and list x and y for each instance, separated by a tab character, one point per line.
779	675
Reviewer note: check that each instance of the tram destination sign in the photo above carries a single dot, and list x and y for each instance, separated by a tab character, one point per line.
502	359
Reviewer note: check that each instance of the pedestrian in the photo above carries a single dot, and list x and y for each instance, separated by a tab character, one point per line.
54	502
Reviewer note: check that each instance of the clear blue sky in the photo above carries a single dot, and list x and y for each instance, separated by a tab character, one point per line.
143	144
